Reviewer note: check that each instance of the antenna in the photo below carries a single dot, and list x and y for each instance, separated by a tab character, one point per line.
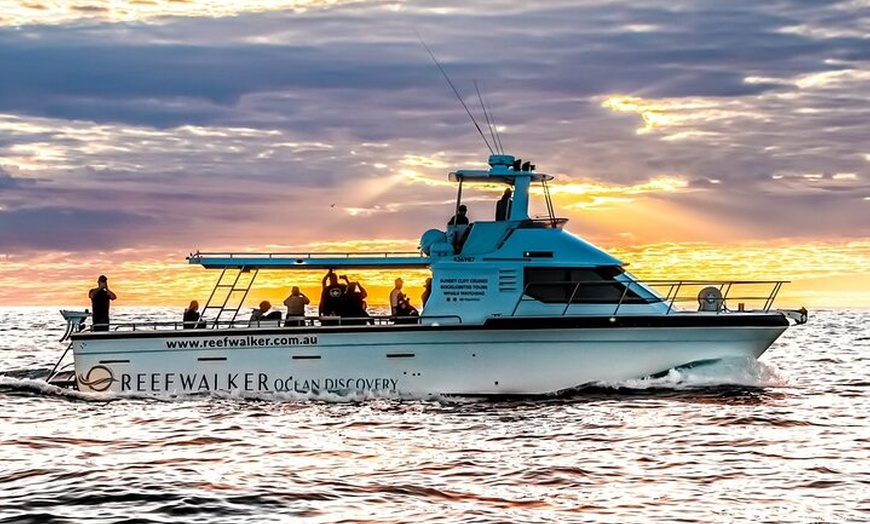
491	123
497	136
456	92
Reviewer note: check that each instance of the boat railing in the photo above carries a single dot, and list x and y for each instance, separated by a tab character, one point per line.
308	321
719	296
299	255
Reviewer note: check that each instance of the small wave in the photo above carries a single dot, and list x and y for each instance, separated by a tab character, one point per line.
35	518
36	386
758	420
745	372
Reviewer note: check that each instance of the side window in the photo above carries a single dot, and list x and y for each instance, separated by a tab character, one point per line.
577	285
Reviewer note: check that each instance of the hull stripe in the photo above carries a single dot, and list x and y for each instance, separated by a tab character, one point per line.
499	323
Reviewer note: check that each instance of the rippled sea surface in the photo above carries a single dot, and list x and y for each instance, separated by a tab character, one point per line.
782	440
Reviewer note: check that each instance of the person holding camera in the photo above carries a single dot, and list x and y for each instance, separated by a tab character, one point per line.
100	297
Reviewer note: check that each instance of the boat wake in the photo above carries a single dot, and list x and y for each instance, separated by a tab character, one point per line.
733	372
24	383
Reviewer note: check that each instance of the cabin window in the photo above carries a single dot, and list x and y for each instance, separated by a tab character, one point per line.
593	285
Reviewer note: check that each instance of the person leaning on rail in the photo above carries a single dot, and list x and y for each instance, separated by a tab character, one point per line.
192	319
265	312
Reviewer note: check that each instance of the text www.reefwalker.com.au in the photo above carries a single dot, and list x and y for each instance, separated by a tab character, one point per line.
248	341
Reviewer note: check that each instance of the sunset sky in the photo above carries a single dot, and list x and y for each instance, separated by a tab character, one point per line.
692	139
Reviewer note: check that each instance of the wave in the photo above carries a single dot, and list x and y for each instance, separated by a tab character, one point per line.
738	371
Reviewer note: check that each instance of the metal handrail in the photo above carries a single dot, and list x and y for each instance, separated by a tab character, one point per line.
309	321
313	255
671	297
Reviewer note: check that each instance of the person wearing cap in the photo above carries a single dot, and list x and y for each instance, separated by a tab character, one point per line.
460	218
100	297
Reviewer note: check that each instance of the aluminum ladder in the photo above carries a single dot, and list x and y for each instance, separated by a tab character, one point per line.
229	294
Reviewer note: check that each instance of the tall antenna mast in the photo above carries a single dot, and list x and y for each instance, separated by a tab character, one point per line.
456	92
493	131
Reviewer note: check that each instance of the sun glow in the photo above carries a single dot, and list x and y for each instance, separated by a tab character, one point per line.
678	115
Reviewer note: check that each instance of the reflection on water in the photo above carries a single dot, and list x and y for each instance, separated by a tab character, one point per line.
783	440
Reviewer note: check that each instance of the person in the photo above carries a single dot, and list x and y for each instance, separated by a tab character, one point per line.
503	206
460	218
265	312
427	292
354	305
100	297
396	296
405	311
400	306
332	296
296	303
192	319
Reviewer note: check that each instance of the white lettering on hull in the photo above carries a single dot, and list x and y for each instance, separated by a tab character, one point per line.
464	289
248	382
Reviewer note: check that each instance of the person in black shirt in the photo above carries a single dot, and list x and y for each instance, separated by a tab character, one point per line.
460	218
100	297
503	206
427	291
192	319
332	298
354	305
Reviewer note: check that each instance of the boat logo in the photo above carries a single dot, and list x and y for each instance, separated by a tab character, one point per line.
98	378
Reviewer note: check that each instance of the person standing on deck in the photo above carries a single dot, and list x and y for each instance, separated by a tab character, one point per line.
332	297
296	303
427	292
503	206
460	218
100	297
396	297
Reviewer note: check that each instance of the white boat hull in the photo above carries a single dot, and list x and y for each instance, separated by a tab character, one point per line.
405	361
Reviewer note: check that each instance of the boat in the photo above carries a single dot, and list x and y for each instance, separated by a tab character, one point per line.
518	306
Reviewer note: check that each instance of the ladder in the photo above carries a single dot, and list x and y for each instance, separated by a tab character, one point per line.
229	294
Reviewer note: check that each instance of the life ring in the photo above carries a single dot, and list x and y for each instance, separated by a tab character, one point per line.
710	299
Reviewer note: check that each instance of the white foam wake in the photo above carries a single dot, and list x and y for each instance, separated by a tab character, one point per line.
746	372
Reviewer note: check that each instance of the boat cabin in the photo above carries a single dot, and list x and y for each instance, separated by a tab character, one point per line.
514	266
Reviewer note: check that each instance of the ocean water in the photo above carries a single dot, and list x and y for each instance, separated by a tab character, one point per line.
782	440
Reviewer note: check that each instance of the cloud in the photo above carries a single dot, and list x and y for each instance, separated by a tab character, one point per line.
247	124
6	180
70	11
11	185
68	229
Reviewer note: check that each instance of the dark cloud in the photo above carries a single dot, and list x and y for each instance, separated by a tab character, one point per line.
76	74
7	181
65	228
